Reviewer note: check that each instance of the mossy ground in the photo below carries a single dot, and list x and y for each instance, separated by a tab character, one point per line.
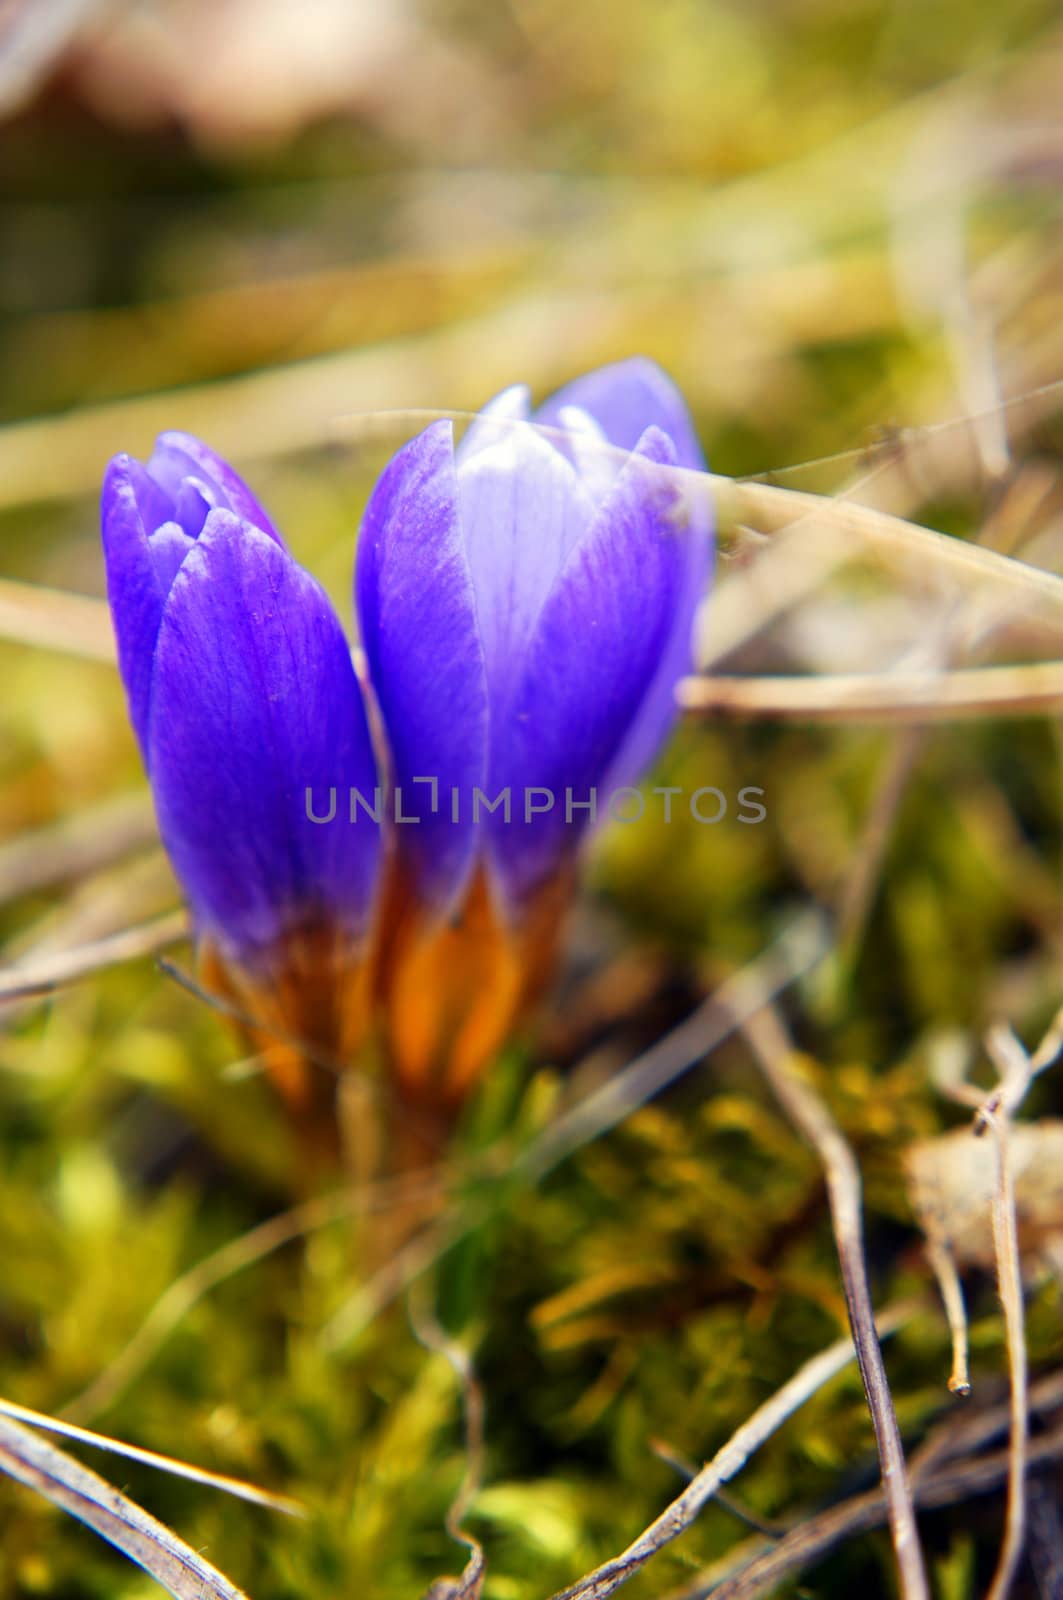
747	195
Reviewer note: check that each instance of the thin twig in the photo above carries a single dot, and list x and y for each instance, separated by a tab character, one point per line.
1017	1071
925	431
1009	1277
938	1472
428	1330
856	893
994	1110
964	1431
729	1502
774	1054
809	1542
943	1265
765	1421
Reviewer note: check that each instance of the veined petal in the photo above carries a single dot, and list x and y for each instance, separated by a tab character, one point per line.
417	615
523	511
178	455
495	420
168	546
595	459
135	588
625	399
658	711
594	652
253	702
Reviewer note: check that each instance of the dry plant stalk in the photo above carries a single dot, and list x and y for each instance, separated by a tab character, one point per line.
994	1111
946	1469
952	1182
434	1337
774	1053
950	1484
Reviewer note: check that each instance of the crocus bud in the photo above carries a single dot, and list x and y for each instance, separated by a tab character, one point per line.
526	606
244	700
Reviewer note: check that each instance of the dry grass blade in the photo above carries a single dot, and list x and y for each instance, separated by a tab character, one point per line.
801	540
186	1291
859	886
994	1110
67	1484
1028	690
842	529
774	1054
151	1458
415	1257
53	619
730	1502
280	409
765	1421
41	976
939	1477
794	953
1016	1072
76	845
808	1543
1009	1277
910	439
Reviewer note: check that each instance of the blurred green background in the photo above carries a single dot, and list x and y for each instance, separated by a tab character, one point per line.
286	227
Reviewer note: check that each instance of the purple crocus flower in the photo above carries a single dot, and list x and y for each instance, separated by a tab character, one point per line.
526	606
242	695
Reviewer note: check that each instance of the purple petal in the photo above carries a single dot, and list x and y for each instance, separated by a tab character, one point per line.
495	420
596	649
523	511
181	455
195	501
625	399
596	461
657	714
135	588
168	546
253	702
417	614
